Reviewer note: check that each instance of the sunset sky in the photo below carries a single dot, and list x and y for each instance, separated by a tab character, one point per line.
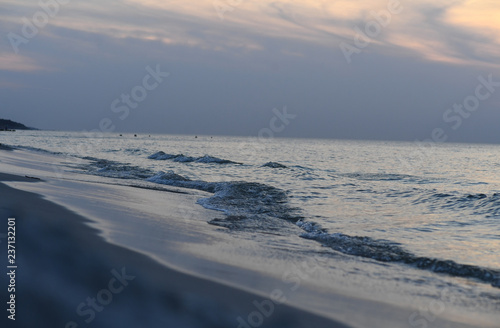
230	62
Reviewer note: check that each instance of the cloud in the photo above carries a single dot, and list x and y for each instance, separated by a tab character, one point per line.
480	16
461	33
13	62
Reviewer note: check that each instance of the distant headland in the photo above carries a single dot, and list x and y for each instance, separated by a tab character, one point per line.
8	125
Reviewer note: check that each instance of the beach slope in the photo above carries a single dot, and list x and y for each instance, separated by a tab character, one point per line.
68	276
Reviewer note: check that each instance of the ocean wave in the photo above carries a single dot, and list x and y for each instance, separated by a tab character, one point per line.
259	207
6	147
170	178
376	176
40	150
211	159
478	203
183	159
275	165
404	178
167	178
112	169
133	150
386	251
251	200
241	198
162	156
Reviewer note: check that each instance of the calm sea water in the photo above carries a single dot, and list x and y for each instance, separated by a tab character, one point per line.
434	208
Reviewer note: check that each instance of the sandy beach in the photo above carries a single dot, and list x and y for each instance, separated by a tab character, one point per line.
63	263
248	164
93	254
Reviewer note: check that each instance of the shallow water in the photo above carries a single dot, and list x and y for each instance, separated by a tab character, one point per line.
436	209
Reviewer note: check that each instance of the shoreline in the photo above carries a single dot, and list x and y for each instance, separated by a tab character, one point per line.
85	264
165	237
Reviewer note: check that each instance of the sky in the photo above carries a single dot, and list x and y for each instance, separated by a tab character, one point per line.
368	69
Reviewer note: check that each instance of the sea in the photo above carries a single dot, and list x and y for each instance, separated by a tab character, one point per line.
431	207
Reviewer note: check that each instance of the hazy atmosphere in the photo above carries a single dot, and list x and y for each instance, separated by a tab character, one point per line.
264	164
348	69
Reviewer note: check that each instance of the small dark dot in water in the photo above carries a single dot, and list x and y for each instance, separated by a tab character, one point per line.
196	137
135	135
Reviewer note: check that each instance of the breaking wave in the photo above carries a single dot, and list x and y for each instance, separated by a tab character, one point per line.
161	156
6	147
253	206
386	251
244	203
